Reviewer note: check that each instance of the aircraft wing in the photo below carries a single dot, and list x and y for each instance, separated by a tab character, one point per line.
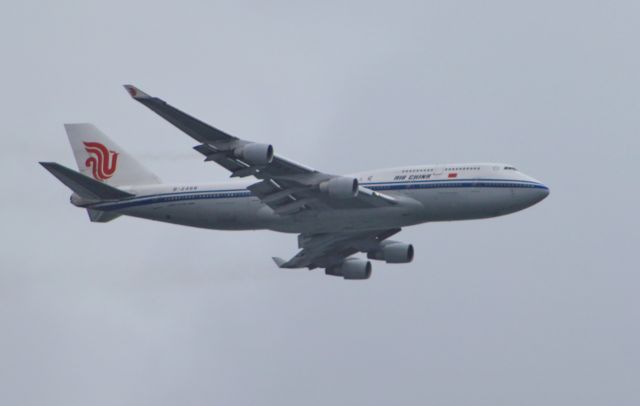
328	249
285	186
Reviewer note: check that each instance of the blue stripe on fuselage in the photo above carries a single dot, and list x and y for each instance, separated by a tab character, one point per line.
379	186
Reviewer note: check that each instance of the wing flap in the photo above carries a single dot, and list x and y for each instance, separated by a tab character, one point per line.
325	250
375	198
272	194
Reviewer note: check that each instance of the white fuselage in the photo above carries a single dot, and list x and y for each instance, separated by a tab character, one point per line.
424	194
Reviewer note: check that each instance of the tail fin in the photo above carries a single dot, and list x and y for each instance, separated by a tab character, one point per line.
102	159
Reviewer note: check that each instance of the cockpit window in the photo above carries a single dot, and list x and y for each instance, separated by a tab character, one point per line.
510	168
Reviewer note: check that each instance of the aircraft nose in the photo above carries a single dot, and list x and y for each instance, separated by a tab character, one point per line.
542	191
527	197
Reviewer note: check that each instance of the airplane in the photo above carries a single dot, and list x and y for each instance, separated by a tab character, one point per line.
336	216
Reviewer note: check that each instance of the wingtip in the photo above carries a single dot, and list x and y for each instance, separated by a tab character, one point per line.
136	93
49	166
279	261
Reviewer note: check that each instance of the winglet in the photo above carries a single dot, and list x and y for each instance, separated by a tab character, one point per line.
136	93
279	261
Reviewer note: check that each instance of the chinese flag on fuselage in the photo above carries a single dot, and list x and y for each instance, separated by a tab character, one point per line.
453	175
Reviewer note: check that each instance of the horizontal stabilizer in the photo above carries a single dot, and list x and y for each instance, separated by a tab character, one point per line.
84	186
99	216
279	261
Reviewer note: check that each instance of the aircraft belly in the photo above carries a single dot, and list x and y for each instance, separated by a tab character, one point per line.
347	220
464	203
221	214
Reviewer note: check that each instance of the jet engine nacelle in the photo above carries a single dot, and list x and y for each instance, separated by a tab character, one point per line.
340	188
351	268
393	252
255	154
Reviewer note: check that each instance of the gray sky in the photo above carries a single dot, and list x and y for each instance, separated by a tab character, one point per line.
539	307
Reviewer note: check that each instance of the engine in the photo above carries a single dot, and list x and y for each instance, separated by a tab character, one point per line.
393	252
340	188
351	268
255	154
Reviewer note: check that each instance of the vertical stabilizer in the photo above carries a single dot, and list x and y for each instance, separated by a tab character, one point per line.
102	159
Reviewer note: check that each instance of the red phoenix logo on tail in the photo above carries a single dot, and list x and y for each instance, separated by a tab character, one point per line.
101	161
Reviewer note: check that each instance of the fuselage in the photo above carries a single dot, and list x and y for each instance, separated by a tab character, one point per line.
424	193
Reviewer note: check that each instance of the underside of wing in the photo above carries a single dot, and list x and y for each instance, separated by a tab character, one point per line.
330	249
333	251
285	186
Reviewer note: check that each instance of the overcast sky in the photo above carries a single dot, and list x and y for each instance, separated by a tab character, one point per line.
537	308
